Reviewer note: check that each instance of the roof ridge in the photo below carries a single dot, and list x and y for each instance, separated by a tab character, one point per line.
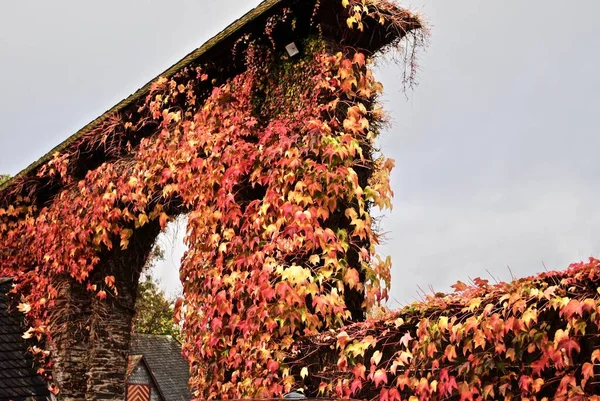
168	73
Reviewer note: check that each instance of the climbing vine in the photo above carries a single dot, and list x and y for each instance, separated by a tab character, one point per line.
277	263
276	170
533	339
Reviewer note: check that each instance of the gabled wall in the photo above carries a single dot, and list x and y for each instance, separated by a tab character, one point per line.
141	375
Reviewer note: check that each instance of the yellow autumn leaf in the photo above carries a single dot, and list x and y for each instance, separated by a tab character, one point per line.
351	21
296	274
28	334
133	182
529	316
314	259
474	304
443	323
142	219
125	235
376	358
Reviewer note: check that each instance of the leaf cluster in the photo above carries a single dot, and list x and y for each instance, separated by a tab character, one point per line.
279	228
277	171
532	339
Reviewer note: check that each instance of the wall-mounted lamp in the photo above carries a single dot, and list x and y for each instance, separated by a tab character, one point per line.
295	395
292	49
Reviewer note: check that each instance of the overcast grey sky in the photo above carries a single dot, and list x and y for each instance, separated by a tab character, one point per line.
496	150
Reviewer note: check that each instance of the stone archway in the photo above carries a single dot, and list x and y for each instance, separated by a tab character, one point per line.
78	225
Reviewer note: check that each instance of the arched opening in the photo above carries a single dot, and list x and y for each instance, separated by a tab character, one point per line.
269	151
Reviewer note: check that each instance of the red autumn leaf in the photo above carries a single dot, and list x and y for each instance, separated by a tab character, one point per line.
394	394
459	286
569	345
163	219
359	59
359	371
110	281
479	282
450	353
466	391
574	307
587	371
352	278
380	376
525	383
596	355
356	386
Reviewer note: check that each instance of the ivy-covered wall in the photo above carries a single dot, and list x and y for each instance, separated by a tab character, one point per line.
535	338
274	165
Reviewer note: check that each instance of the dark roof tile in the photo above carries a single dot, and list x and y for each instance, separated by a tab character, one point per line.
163	357
18	378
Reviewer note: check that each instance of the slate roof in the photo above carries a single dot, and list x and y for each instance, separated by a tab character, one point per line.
18	378
20	382
162	355
132	363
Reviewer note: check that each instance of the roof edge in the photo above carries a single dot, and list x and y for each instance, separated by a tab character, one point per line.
230	30
13	187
